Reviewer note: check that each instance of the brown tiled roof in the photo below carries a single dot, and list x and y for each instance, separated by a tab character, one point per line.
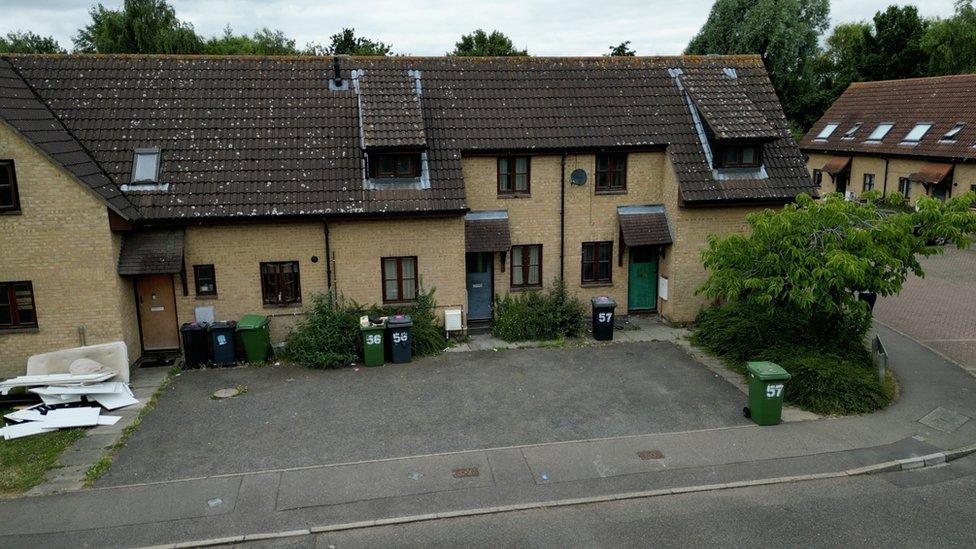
390	109
942	101
487	232
726	107
21	108
256	136
836	164
644	226
932	173
152	252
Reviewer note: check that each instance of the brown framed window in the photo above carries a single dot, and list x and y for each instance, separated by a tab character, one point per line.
399	279
9	199
818	178
905	186
611	172
280	283
739	156
868	182
513	175
597	262
394	165
205	279
526	271
17	308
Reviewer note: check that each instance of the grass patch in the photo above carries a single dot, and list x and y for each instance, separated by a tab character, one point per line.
832	370
24	462
101	466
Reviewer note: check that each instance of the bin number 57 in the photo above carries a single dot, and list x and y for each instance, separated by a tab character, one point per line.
774	390
374	339
604	318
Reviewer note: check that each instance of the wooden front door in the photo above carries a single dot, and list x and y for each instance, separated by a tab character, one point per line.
157	312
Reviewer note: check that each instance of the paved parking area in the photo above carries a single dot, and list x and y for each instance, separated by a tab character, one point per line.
940	309
292	417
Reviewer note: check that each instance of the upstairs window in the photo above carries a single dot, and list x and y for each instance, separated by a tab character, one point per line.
738	156
17	308
9	200
917	133
880	132
513	175
827	130
611	172
954	132
145	166
394	165
849	134
280	283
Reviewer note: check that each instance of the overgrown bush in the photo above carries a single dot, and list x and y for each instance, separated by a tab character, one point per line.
329	335
539	315
832	371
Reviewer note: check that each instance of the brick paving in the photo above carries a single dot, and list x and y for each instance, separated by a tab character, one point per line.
940	309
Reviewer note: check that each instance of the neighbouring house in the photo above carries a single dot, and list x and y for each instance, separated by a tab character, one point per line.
915	136
140	191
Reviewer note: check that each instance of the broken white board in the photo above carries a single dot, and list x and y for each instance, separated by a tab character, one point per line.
54	379
25	415
95	388
114	401
108	420
71	417
58	399
11	432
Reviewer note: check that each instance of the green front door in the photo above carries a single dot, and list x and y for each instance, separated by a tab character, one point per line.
642	280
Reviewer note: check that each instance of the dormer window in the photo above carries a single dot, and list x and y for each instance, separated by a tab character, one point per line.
394	165
145	166
880	132
954	132
849	134
827	130
917	133
739	156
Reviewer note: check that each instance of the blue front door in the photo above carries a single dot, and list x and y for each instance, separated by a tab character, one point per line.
479	269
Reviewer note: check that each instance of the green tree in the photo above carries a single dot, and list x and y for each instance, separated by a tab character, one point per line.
481	44
894	49
345	42
28	42
622	50
813	256
951	43
141	26
262	42
784	32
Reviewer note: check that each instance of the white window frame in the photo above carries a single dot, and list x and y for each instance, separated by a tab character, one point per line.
953	132
827	131
146	184
849	134
917	133
880	132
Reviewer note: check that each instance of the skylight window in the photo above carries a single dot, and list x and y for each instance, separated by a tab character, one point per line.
951	134
880	132
145	166
828	129
917	133
849	134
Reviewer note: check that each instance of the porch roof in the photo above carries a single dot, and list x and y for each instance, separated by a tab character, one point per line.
644	226
836	165
487	232
152	252
932	172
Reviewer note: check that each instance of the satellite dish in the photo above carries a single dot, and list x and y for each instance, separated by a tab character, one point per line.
578	177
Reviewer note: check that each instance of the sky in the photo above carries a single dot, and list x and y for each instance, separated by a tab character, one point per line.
427	27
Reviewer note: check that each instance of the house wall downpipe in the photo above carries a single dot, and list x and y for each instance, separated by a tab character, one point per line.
328	263
562	218
884	188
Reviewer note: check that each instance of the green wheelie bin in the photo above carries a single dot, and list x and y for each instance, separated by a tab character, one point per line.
255	337
767	382
373	330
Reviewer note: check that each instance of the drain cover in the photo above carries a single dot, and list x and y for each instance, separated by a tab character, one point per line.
944	420
648	455
466	472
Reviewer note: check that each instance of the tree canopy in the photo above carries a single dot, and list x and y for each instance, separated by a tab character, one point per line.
345	42
28	42
951	43
141	26
262	42
622	50
480	43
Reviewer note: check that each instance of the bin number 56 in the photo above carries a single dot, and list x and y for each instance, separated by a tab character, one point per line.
374	339
604	318
399	337
774	390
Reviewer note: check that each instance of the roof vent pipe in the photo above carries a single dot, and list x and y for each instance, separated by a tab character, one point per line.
336	83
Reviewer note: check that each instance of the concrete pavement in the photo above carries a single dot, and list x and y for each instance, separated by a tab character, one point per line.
552	474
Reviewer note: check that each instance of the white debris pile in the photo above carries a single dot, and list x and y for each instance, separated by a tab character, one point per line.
68	400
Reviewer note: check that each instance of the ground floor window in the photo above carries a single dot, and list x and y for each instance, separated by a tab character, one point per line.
205	280
868	182
527	266
597	262
280	283
17	305
817	178
905	186
399	279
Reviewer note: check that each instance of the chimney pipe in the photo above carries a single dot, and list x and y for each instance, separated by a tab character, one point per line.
336	76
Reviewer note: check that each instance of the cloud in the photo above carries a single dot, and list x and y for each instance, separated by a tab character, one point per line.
428	27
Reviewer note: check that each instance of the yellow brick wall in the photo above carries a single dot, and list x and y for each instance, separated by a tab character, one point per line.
62	243
964	175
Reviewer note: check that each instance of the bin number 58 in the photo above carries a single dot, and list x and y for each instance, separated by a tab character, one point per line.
399	337
604	318
774	390
374	339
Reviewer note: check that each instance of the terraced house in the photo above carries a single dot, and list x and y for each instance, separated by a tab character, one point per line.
914	136
137	189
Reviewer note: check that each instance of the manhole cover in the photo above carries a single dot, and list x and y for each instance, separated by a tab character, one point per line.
465	472
648	455
225	393
944	420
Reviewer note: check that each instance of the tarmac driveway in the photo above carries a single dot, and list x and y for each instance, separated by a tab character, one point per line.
293	417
